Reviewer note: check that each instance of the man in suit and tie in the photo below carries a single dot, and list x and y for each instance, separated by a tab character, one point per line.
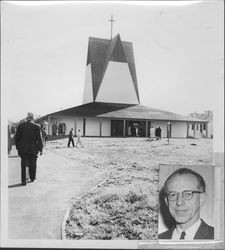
185	192
29	144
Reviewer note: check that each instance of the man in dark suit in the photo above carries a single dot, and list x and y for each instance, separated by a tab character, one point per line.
70	138
29	144
185	194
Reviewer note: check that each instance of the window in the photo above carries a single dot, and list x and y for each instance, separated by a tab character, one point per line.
204	126
117	128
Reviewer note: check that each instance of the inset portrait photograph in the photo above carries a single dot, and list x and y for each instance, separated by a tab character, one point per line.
186	199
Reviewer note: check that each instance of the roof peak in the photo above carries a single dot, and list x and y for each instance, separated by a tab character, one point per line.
118	35
109	40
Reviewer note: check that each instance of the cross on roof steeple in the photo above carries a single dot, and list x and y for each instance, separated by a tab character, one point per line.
111	20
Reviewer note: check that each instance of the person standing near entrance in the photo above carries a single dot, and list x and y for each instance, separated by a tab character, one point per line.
79	139
160	132
129	131
28	143
157	134
71	138
152	133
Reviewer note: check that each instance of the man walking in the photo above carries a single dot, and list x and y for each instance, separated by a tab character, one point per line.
28	143
71	138
78	142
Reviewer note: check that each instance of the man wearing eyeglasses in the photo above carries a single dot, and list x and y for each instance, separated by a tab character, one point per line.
185	194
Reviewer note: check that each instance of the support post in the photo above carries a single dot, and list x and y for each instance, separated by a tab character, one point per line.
124	127
187	129
146	129
207	132
194	130
168	131
75	127
100	124
49	119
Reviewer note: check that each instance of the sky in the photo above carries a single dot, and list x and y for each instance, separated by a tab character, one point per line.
178	51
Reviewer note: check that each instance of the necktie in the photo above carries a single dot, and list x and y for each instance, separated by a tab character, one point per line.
182	236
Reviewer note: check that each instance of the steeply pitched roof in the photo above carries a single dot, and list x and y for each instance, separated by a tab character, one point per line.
101	51
121	111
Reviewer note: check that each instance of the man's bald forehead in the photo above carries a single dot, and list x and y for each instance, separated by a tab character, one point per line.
183	172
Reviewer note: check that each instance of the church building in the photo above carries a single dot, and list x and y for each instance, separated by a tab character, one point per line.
111	102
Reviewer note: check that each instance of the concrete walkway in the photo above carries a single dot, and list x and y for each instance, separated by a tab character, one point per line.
36	210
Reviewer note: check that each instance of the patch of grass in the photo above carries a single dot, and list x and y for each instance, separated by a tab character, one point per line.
130	214
126	206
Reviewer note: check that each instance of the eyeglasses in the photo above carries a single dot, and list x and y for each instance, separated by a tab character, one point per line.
186	195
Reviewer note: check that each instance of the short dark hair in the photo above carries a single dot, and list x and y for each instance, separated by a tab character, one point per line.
183	171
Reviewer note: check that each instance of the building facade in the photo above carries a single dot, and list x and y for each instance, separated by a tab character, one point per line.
111	103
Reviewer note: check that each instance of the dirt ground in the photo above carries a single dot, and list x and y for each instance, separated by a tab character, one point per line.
121	205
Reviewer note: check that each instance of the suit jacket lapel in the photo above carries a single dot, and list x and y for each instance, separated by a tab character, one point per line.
170	232
202	231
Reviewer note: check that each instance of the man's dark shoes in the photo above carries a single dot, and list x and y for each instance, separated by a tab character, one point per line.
24	183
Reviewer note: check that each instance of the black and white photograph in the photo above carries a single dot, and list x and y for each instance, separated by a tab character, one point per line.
187	200
111	123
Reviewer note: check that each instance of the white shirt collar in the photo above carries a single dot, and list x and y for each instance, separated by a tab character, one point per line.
190	232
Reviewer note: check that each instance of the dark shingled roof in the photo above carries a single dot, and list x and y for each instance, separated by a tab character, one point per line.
101	51
121	111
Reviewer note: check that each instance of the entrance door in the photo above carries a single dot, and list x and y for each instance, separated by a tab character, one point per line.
135	128
117	128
